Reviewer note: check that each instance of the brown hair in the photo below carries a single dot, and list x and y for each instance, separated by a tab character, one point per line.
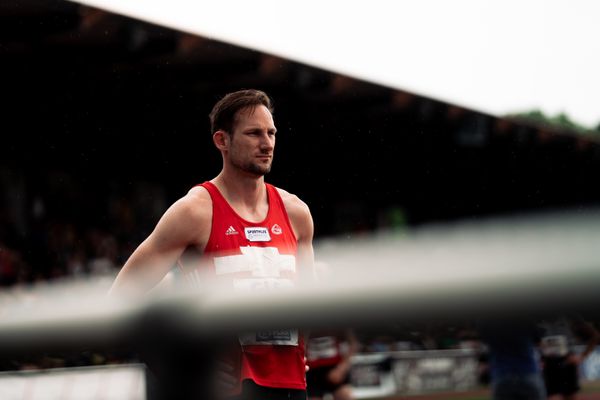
223	114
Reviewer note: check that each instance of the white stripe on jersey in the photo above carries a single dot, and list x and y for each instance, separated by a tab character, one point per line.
264	262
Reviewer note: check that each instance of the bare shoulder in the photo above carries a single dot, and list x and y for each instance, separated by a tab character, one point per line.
195	205
191	212
198	196
299	215
292	203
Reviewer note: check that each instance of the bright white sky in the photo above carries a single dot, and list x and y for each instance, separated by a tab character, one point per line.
496	56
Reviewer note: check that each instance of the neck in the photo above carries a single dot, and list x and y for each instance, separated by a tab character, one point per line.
241	188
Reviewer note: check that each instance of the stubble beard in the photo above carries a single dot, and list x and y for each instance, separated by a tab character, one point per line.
253	168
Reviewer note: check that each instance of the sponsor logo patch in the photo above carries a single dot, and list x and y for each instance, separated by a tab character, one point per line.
257	234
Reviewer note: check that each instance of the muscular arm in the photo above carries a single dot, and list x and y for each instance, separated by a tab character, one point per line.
587	332
337	374
186	223
302	224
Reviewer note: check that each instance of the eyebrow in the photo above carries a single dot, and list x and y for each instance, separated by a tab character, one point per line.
258	128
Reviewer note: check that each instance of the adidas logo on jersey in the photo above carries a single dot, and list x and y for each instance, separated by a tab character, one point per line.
231	231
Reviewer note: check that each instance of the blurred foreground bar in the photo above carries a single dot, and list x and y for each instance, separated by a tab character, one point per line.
503	268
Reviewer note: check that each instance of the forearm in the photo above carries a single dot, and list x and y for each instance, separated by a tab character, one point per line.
587	332
590	347
141	273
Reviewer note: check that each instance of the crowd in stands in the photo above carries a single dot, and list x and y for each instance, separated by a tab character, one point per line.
49	234
51	230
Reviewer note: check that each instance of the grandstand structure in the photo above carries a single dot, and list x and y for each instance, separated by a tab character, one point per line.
98	95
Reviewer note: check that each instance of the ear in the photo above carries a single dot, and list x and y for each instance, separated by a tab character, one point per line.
221	140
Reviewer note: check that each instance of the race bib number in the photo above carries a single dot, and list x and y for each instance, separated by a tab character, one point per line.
265	265
277	337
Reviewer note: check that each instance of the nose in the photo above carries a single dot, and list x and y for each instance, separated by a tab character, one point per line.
267	142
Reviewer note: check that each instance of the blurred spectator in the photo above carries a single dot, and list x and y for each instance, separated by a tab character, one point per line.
560	360
8	265
513	361
104	257
328	354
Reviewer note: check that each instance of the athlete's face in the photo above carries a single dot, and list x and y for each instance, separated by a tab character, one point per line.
252	141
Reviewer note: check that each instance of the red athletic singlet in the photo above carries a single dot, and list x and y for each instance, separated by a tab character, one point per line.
259	256
323	349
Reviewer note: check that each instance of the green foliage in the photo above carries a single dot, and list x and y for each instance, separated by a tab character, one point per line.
560	122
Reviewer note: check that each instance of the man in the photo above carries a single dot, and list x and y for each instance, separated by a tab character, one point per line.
252	234
329	355
513	360
560	360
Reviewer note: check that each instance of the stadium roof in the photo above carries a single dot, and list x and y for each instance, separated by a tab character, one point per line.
104	96
497	57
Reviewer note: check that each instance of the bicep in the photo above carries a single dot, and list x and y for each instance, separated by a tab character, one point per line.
302	224
156	255
305	233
